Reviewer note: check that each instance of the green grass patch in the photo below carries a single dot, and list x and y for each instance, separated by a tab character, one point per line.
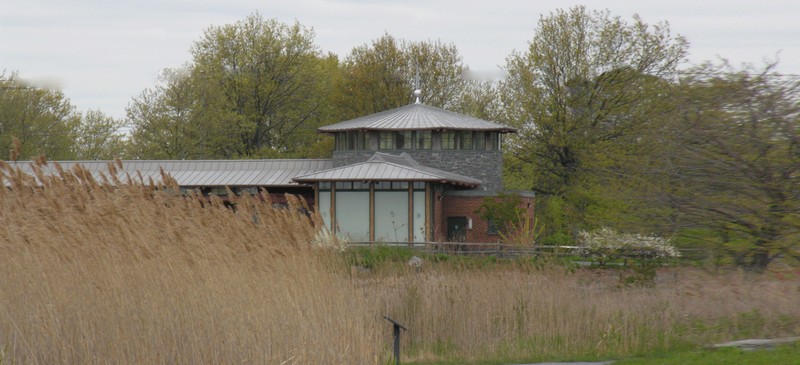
785	355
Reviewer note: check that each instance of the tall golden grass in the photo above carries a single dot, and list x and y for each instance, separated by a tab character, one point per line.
96	273
117	271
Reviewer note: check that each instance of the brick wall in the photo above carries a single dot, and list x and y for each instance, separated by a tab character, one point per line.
461	206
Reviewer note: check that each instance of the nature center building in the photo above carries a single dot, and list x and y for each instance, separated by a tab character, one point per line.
410	174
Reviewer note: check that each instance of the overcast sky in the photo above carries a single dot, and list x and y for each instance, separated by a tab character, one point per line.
102	53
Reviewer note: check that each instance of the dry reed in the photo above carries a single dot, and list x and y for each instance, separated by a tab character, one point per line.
126	272
95	273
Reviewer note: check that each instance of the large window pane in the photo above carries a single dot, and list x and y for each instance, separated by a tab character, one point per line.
423	140
465	140
324	206
352	215
419	216
341	141
492	142
402	140
385	141
480	141
448	140
391	216
355	140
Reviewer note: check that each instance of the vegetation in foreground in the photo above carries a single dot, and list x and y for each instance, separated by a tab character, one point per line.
786	355
132	274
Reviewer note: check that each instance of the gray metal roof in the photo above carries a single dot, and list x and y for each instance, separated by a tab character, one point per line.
417	117
191	173
386	167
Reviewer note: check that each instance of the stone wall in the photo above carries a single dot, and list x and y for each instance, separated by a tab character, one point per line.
484	165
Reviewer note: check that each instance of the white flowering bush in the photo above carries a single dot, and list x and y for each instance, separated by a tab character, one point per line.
606	243
325	239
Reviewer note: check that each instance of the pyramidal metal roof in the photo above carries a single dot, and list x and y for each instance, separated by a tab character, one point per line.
417	117
386	167
192	173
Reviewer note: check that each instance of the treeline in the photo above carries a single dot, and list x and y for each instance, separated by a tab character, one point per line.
611	132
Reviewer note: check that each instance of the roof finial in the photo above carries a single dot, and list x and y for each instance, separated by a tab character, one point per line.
417	91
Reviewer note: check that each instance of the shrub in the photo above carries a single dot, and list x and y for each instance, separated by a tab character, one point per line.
606	243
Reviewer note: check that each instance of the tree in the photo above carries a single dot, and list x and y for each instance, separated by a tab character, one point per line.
383	76
263	80
256	88
43	120
584	91
99	137
733	162
165	122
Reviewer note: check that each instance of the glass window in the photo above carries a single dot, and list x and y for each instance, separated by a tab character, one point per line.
355	140
480	141
352	215
218	190
391	216
492	228
448	140
402	140
419	185
465	142
491	141
341	141
419	216
391	185
360	185
324	185
386	142
423	140
344	185
324	207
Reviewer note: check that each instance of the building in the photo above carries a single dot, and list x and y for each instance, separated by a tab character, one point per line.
410	174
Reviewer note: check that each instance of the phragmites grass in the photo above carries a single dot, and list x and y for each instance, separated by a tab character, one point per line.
133	273
126	271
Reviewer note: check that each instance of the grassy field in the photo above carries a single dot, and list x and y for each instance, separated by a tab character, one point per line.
127	274
783	355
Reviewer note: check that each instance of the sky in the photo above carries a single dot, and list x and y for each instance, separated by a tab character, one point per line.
103	53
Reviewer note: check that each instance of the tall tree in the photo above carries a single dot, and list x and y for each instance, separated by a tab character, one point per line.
588	84
100	137
165	120
264	81
256	88
733	161
43	120
383	76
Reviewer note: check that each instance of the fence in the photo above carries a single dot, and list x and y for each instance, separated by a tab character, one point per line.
513	251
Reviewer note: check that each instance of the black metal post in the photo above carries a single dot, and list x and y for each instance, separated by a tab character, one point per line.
396	333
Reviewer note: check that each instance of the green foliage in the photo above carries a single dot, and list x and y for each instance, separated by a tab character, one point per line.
383	75
581	95
787	354
99	137
504	211
43	120
257	89
732	161
375	256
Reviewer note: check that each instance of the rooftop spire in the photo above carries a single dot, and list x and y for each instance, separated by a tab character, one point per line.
417	91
